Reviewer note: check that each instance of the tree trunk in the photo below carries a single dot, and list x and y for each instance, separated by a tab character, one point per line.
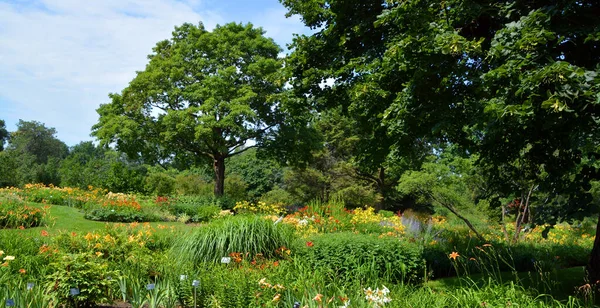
381	187
219	168
593	267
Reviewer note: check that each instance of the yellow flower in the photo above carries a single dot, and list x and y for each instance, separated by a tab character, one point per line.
276	297
1	252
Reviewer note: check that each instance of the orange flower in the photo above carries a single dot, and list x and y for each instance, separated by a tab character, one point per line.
454	255
21	227
22	271
318	297
487	245
73	234
309	244
276	263
44	233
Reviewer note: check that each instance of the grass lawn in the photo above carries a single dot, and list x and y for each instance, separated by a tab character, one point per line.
68	219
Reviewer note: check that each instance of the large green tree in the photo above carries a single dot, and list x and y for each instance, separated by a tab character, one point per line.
36	153
515	81
203	97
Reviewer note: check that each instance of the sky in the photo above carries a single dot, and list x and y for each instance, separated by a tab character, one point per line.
59	59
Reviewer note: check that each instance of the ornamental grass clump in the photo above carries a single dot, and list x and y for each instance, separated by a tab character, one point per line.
245	234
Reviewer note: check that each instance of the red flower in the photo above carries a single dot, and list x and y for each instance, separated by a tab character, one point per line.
309	244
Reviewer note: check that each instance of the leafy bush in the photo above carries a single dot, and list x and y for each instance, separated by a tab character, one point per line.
192	185
278	196
192	201
243	234
84	271
160	184
350	256
111	215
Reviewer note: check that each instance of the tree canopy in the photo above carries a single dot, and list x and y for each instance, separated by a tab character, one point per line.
203	97
515	82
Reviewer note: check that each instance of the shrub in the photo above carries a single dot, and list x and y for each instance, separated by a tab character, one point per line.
160	184
350	256
111	215
84	271
192	185
278	196
197	209
243	234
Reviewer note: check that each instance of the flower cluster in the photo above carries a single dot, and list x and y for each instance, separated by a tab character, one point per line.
260	208
377	297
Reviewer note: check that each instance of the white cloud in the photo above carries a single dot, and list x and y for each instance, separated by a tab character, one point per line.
59	59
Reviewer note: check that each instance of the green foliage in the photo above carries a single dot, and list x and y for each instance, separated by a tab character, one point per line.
278	196
84	271
120	215
196	211
260	174
9	166
192	184
350	256
160	184
244	234
236	188
3	134
199	201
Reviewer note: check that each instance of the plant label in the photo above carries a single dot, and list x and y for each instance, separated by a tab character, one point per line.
225	260
150	286
10	302
182	277
74	291
195	283
30	285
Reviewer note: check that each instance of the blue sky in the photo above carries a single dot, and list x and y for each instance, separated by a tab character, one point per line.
59	59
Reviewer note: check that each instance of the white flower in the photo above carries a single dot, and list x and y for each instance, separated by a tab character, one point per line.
9	258
346	304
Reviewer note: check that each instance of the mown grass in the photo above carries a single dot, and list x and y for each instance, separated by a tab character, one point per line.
69	219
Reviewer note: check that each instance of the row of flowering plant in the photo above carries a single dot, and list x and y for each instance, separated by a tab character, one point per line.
15	213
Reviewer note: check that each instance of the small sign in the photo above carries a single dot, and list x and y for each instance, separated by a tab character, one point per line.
296	305
150	286
30	285
182	277
108	278
74	291
225	260
195	283
10	302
